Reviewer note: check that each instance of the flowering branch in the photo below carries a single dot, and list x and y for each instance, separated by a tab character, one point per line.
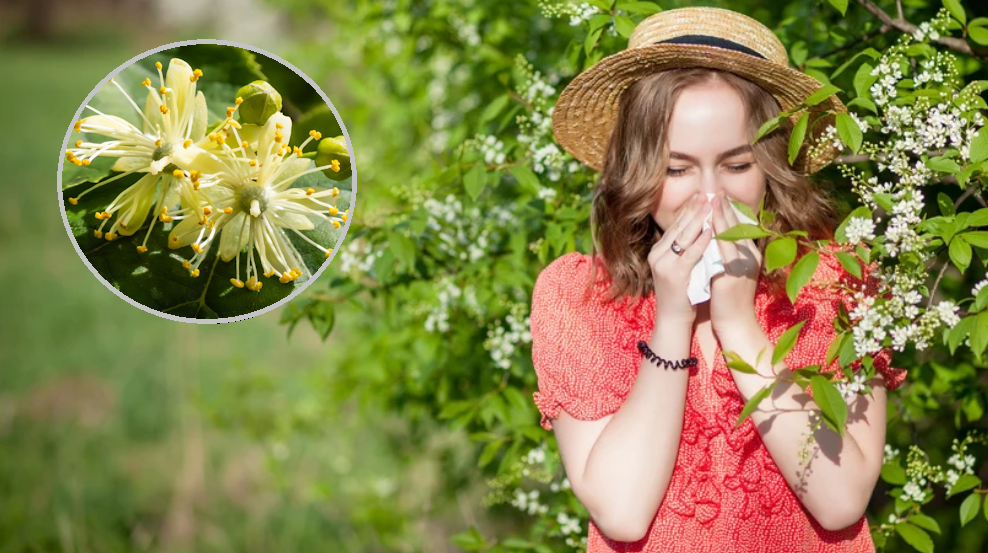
957	44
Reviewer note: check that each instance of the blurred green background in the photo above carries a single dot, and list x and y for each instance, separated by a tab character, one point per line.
107	434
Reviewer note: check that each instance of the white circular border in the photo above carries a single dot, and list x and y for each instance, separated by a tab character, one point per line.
135	59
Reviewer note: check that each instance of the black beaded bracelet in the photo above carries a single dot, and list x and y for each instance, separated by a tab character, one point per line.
650	355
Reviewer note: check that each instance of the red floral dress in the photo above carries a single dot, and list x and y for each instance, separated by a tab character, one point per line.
726	492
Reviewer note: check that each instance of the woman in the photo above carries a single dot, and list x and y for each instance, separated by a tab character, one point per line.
646	431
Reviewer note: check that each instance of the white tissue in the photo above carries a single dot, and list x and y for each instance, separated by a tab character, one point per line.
711	264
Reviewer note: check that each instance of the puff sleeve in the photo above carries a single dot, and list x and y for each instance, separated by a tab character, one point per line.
583	350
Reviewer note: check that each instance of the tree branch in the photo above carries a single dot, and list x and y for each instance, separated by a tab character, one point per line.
956	44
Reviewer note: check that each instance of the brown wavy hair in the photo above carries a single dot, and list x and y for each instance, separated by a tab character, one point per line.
621	222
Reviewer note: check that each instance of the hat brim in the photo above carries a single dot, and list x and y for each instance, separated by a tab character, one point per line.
584	116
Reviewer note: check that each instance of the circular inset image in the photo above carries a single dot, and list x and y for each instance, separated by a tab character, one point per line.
207	181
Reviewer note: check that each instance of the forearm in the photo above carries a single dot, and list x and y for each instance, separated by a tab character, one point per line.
834	484
631	463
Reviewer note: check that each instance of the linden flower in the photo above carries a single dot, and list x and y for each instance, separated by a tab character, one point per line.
174	119
252	204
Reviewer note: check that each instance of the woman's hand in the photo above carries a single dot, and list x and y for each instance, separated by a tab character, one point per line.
671	272
732	293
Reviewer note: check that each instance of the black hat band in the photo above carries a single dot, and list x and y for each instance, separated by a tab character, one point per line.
707	40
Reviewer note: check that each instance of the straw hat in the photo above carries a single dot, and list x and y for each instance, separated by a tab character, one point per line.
583	119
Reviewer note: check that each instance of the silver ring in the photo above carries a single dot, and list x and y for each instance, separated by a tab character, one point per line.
676	248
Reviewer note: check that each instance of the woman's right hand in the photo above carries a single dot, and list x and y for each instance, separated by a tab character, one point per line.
671	272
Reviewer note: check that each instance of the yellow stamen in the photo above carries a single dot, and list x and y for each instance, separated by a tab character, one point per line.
78	143
229	113
98	234
257	287
336	224
278	136
195	75
185	262
239	100
164	110
195	274
333	210
86	162
111	236
328	252
194	175
228	210
73	201
344	216
187	143
157	64
178	173
78	126
279	126
269	273
309	191
195	248
244	144
157	142
336	191
250	282
207	211
253	163
237	282
141	249
146	82
336	165
235	124
195	185
165	219
162	90
297	151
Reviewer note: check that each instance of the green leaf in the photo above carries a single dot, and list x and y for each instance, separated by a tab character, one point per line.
734	361
956	10
742	231
786	342
849	132
797	137
744	209
645	8
494	108
832	405
865	103
979	334
946	205
978	218
979	146
970	508
591	40
884	200
981	300
943	164
863	79
768	127
822	94
894	474
624	26
977	238
871	52
915	537
780	253
964	483
978	35
924	521
801	274
959	332
960	253
526	178
475	180
403	249
752	404
841	5
850	263
489	452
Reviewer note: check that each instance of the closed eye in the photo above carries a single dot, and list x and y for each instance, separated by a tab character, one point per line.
675	172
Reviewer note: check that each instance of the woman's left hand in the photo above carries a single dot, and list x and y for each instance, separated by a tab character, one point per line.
732	293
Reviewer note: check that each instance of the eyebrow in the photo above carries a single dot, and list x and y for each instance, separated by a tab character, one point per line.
744	148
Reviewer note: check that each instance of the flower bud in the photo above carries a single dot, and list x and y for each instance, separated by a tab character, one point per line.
334	149
260	101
